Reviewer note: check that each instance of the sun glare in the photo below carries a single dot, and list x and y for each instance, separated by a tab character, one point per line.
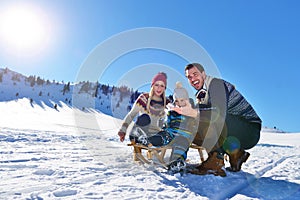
23	29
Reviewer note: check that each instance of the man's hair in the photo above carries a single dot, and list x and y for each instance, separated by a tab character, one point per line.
197	65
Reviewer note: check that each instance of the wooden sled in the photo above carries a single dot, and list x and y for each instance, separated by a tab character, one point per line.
158	152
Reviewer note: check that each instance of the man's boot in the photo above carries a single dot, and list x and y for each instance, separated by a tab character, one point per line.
236	159
213	165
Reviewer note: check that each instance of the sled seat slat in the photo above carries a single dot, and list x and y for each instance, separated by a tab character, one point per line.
159	152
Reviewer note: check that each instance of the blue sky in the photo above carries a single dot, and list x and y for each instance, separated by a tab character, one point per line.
254	44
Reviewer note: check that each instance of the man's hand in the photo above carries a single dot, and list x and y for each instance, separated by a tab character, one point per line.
121	135
186	110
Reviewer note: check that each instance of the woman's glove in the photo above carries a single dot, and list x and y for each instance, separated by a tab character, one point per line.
121	135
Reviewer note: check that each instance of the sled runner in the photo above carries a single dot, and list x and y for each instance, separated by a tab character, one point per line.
146	154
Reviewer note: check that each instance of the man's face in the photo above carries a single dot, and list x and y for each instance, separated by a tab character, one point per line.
196	78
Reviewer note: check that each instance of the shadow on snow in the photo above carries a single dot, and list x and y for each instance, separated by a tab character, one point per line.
242	183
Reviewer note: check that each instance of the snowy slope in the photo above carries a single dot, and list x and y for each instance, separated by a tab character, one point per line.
103	98
71	154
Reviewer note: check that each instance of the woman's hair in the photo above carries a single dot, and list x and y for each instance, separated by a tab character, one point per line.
163	95
160	76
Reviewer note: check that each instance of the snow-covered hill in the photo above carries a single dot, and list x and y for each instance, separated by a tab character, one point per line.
46	154
272	130
114	101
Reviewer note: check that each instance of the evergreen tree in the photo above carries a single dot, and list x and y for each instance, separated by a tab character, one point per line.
96	89
66	88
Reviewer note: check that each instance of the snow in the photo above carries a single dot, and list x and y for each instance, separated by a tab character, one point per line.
46	155
47	93
73	154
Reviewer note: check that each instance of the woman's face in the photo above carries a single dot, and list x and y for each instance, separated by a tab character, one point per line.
158	88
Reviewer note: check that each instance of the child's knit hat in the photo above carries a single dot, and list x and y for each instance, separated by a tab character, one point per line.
180	92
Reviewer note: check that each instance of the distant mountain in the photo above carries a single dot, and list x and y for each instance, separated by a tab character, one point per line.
272	130
111	100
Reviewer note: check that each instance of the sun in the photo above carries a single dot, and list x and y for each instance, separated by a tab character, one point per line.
23	28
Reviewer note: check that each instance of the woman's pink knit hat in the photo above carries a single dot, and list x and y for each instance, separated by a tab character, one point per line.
161	76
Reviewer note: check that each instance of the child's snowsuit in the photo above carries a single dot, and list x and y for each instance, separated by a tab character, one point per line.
179	132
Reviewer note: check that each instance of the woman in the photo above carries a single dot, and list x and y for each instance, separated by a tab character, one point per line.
150	109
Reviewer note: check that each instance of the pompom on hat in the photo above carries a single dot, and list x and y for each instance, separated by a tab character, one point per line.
161	76
180	92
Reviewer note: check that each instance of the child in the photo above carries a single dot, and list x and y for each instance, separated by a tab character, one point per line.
179	131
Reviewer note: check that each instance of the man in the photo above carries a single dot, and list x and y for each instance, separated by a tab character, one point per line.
228	124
